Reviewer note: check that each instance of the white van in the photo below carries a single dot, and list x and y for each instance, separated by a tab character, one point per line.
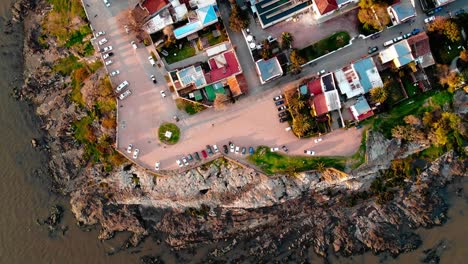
106	2
121	86
151	60
388	43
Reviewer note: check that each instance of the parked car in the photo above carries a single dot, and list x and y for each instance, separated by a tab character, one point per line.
415	31
189	157
203	152
283	107
244	150
215	148
437	9
399	38
276	98
197	157
184	160
375	36
156	165
285	149
129	148
407	35
121	86
209	150
108	62
125	94
106	49
459	12
372	49
163	93
135	153
134	45
283	119
105	56
237	149
321	72
388	43
251	150
106	2
284	113
176	118
309	152
225	149
288	128
231	146
153	79
317	140
429	19
151	60
274	149
179	163
114	73
102	41
279	102
100	33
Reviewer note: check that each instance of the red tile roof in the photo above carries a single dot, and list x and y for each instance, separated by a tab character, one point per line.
154	6
325	6
320	104
232	67
365	115
315	87
419	44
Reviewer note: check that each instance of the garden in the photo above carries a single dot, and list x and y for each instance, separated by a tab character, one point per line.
325	46
169	133
177	51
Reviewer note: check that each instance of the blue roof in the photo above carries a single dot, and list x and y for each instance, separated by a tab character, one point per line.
404	10
362	106
207	15
192	75
361	67
187	29
269	68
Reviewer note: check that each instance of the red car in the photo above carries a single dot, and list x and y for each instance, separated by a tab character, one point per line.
204	154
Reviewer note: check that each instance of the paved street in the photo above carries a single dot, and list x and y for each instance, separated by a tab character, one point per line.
251	121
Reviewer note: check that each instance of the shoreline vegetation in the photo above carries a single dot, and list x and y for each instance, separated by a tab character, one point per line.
395	176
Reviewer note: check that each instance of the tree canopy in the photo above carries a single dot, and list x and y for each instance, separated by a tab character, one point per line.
238	19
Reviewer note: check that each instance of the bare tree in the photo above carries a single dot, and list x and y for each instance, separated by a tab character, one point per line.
220	101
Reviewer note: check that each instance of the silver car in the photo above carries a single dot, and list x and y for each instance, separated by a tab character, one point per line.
135	153
121	86
125	94
102	41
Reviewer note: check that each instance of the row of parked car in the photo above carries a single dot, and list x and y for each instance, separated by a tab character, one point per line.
400	38
283	114
212	150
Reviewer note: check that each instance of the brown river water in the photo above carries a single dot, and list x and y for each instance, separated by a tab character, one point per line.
24	195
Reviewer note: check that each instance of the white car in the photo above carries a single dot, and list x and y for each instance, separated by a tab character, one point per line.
125	94
121	86
106	2
277	98
231	146
215	148
156	166
320	72
163	94
129	148
106	49
102	41
309	152
134	45
429	19
288	128
105	56
179	163
151	60
274	149
108	62
237	149
185	161
317	140
135	153
100	33
114	73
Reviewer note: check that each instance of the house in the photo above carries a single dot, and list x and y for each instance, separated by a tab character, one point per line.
154	6
205	16
358	78
399	53
163	16
217	73
270	12
421	49
324	96
324	7
361	109
268	69
401	11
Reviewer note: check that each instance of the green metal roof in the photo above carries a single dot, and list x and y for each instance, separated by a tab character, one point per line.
211	91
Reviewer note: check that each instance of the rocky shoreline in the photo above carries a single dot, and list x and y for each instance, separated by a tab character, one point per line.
221	202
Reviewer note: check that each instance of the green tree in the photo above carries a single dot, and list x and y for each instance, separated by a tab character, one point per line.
296	59
287	40
238	19
266	50
379	94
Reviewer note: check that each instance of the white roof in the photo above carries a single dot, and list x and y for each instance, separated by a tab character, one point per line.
348	82
180	12
333	100
158	22
215	50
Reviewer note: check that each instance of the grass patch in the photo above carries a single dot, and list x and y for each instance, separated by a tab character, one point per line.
189	107
176	54
77	36
172	128
432	153
410	88
360	156
326	45
67	65
273	162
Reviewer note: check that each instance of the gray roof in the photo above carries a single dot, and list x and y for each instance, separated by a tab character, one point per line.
403	10
269	69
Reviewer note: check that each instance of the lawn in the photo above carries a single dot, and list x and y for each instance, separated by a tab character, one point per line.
67	65
171	128
360	156
176	54
410	88
326	45
273	162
